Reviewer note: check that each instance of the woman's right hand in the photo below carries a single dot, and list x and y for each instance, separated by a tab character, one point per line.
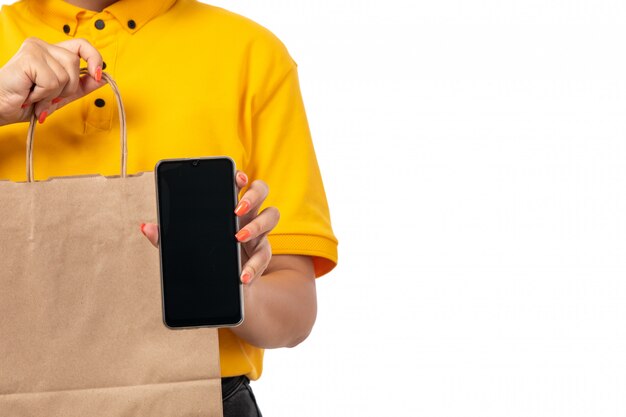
42	77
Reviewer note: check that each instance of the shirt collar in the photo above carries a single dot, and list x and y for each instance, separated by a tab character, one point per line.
61	15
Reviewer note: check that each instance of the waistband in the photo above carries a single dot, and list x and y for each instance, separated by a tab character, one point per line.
231	384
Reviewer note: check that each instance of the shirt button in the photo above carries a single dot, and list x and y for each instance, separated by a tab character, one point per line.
99	102
132	24
66	29
99	24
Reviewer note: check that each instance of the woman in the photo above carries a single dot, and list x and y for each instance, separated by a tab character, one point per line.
196	80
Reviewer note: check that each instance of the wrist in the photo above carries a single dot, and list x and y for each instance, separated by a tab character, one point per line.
3	121
8	112
4	108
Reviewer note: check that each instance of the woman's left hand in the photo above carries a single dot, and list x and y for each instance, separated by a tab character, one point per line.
256	251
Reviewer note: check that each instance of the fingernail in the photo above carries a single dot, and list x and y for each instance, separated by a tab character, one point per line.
143	226
56	100
42	117
25	105
242	235
242	208
242	178
98	74
246	277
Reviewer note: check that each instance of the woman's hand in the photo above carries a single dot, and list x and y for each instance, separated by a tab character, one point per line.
254	226
256	251
41	78
282	305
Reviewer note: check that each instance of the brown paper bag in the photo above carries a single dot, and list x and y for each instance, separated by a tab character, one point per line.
81	329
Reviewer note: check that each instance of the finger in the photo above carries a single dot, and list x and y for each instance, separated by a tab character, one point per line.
46	82
257	263
253	198
86	85
260	226
54	89
86	51
151	231
241	179
71	63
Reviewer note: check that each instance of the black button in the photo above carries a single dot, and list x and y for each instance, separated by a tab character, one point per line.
104	65
66	28
132	24
99	24
99	102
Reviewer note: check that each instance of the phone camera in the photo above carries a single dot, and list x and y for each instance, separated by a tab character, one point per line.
195	163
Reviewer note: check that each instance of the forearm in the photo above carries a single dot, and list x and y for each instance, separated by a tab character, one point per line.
280	309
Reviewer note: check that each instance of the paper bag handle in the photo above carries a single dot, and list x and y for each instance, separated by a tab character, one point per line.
30	175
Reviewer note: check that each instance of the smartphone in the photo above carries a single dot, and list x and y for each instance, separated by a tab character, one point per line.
200	256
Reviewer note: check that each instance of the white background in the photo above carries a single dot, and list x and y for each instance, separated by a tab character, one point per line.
474	155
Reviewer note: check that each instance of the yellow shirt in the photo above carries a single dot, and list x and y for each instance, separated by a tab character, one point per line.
196	81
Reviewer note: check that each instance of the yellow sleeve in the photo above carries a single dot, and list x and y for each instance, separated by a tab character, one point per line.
281	153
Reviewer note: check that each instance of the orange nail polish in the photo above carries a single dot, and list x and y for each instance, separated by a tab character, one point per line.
98	74
242	178
25	105
42	117
56	100
242	208
143	226
242	235
246	277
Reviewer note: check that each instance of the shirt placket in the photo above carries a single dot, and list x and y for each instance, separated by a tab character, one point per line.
102	31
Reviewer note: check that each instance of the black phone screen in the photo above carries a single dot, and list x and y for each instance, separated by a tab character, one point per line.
199	252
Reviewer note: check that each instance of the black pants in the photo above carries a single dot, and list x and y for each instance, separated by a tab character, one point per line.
238	398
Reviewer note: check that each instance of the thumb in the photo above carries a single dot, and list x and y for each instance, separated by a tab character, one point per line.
86	85
151	231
